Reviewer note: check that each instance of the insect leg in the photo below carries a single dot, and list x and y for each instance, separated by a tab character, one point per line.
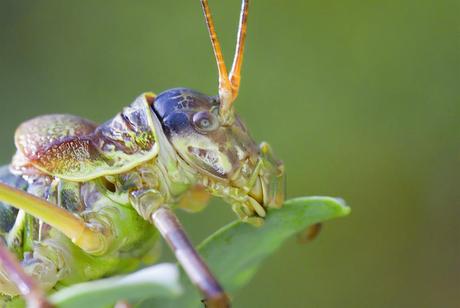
81	233
195	199
31	291
172	231
309	234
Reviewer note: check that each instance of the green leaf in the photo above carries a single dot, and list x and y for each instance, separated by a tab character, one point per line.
235	252
161	281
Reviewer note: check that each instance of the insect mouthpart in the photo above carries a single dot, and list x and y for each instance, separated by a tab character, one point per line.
256	185
266	185
272	178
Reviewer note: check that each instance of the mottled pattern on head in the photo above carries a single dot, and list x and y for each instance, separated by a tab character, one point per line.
191	122
185	99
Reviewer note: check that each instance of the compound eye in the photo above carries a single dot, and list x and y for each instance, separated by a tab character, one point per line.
205	121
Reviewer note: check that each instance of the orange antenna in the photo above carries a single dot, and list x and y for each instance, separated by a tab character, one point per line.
235	73
228	85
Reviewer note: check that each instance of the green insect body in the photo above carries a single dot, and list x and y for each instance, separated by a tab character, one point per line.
116	175
80	200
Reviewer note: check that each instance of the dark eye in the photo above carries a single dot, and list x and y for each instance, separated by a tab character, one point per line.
205	121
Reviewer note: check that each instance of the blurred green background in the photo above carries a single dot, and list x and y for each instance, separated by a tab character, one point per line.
361	99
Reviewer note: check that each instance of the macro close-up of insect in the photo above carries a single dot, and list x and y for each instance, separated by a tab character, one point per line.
145	163
82	201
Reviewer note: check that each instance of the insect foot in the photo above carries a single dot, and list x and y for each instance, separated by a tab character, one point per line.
221	301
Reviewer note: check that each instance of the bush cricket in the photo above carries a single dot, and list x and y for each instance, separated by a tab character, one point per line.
81	201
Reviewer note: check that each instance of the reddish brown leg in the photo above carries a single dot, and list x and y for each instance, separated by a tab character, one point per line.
30	290
172	231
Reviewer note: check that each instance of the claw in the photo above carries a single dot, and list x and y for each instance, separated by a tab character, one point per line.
221	301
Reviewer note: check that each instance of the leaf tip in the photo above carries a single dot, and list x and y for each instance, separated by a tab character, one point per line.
344	208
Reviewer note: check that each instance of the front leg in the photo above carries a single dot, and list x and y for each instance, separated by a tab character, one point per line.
172	231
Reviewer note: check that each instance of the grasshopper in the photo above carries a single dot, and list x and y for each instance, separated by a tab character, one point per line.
80	201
